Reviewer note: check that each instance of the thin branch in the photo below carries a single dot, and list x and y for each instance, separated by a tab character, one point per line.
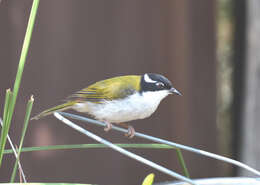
123	151
15	154
158	140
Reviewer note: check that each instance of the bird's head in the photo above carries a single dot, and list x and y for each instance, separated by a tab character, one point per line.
151	82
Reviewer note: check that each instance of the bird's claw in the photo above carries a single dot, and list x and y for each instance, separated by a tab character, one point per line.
108	127
131	132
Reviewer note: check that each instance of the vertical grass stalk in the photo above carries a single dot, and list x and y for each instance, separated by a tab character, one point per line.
26	121
8	96
26	44
5	127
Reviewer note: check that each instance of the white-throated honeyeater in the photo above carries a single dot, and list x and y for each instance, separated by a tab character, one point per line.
119	99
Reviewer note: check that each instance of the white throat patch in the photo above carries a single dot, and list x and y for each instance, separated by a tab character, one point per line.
148	79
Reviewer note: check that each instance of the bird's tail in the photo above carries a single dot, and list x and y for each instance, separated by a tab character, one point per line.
61	107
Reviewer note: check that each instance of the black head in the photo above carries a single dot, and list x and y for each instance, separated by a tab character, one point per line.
156	82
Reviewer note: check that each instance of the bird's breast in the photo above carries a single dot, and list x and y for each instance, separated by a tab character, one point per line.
136	106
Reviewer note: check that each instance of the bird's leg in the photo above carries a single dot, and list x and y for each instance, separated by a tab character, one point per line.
108	126
131	130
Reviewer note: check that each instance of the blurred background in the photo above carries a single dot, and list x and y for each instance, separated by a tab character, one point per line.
208	49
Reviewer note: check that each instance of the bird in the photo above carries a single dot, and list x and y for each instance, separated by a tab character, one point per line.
119	99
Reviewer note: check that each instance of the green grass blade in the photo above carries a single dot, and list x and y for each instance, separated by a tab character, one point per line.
5	127
7	103
26	43
90	146
26	121
182	162
24	52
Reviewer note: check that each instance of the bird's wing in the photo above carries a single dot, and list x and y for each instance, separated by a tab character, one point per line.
110	89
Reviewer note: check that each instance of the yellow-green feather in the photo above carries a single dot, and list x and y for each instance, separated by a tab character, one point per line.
99	92
109	89
61	107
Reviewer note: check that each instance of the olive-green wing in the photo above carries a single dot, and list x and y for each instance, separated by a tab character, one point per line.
110	89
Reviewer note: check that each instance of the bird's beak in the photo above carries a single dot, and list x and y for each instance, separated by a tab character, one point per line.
173	90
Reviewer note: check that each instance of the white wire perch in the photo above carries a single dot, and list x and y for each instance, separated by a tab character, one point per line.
158	140
123	151
15	153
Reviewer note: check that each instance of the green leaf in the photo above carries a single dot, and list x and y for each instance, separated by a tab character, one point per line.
89	146
148	179
182	162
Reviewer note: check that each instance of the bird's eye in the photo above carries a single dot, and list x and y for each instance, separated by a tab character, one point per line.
159	84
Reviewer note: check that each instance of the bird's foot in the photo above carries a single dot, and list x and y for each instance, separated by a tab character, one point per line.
131	132
108	126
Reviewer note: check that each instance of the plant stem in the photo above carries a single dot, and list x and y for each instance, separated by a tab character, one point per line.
123	151
170	143
26	121
91	146
13	150
6	126
19	73
182	162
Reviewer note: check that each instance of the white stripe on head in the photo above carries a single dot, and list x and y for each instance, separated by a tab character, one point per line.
148	79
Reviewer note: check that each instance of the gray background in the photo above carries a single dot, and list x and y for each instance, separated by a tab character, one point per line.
76	43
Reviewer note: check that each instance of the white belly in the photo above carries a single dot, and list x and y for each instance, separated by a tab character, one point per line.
134	107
